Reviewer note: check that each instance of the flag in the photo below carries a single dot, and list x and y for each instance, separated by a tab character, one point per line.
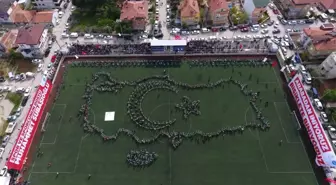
177	37
274	63
83	53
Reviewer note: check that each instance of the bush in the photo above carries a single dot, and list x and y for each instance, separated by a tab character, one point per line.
15	99
329	95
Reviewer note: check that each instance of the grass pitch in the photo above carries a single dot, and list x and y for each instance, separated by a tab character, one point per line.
252	158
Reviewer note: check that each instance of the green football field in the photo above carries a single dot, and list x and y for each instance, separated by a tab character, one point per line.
253	157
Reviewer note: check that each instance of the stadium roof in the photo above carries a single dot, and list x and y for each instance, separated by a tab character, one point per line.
168	43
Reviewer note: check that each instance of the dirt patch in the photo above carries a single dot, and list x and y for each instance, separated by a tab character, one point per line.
24	66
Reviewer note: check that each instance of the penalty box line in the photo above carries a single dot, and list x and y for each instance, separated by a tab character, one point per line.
281	124
63	172
59	126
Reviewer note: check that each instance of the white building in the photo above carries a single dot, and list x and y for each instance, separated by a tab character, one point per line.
328	66
46	4
32	40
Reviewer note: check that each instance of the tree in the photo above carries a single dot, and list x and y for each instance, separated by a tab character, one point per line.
184	25
329	95
123	27
90	5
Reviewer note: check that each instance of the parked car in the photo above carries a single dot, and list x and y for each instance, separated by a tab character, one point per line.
3	171
324	117
5	140
318	104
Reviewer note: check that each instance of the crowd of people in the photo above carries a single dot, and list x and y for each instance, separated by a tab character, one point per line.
147	84
189	107
218	46
141	158
94	49
192	47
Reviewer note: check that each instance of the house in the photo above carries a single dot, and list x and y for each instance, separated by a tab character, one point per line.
18	15
218	12
294	9
328	4
32	40
254	9
46	4
318	43
328	66
136	12
48	18
5	5
7	41
189	12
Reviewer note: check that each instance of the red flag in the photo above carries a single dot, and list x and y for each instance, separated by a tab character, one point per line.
240	46
177	37
83	53
274	63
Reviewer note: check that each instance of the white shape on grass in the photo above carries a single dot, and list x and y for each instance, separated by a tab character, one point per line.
109	116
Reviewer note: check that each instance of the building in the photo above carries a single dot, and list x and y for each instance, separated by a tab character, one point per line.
5	5
328	66
7	41
328	4
32	40
19	15
48	18
189	12
218	12
136	12
294	9
46	4
318	43
254	9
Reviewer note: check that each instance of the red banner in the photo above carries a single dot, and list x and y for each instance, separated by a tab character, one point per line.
22	145
325	155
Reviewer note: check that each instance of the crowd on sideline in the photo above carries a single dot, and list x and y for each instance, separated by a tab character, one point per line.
193	47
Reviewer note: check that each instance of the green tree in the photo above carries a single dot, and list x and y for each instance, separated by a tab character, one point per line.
123	27
109	10
329	95
91	5
184	25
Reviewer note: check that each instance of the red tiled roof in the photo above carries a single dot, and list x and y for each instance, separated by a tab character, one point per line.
322	39
303	2
215	5
189	8
43	17
329	4
30	35
18	15
134	9
8	39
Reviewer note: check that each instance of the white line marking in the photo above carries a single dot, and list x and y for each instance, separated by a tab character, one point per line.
262	152
281	124
59	127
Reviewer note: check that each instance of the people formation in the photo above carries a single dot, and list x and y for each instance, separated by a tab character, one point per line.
104	82
189	107
141	158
